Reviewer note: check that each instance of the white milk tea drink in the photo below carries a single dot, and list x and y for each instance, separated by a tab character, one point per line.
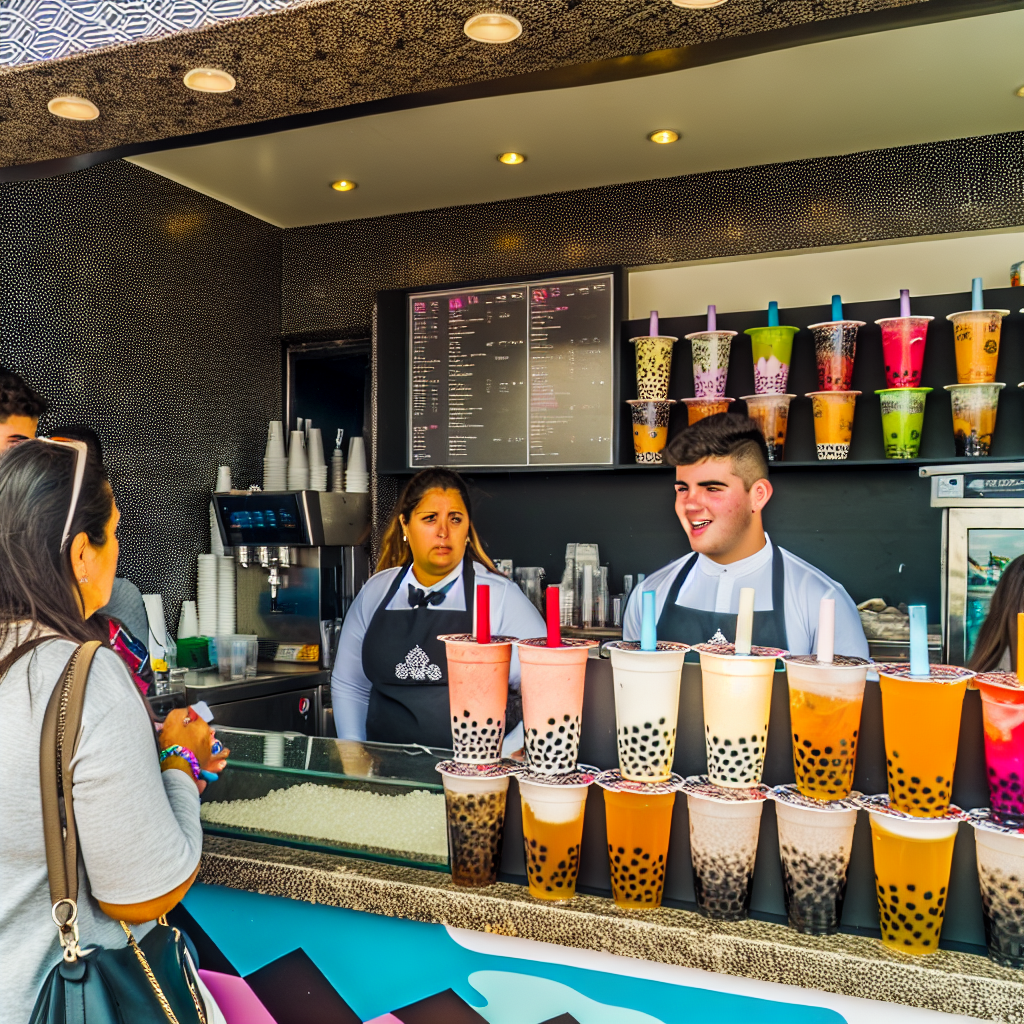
646	686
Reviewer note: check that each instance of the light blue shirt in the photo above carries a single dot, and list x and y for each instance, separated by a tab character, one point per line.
512	614
716	588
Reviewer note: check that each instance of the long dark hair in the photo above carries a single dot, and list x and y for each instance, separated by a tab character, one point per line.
394	550
999	630
37	583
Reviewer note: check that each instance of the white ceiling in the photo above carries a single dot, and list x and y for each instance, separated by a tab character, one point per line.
909	86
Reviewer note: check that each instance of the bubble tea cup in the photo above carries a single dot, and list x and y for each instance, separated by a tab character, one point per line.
474	797
638	823
701	408
772	351
1002	710
771	414
477	695
921	723
552	689
724	827
653	366
553	807
976	341
835	345
1000	855
902	421
833	423
737	702
974	417
646	688
650	428
710	362
903	341
815	840
825	700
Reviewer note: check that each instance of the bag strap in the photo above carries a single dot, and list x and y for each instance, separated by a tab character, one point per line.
62	727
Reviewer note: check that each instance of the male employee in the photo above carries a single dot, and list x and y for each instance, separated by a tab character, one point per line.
721	487
20	409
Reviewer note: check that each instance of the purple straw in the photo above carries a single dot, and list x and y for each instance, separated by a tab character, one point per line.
712	319
654	323
904	302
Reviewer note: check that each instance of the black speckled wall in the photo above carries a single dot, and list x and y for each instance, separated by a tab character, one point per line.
152	314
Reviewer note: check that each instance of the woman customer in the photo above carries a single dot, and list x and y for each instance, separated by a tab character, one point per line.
390	680
996	646
138	819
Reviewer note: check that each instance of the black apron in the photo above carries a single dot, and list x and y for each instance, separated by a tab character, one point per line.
408	668
695	626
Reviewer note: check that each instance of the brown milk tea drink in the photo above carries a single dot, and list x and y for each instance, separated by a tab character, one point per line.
815	839
646	687
1000	854
474	798
724	827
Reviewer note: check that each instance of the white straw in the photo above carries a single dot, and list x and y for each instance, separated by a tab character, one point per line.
827	630
745	621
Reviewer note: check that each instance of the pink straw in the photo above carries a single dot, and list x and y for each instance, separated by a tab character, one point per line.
553	616
483	614
904	302
712	319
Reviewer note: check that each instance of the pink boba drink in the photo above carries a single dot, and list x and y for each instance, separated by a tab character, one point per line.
552	686
477	695
1002	708
903	339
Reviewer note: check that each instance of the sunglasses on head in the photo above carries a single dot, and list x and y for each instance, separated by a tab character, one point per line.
81	450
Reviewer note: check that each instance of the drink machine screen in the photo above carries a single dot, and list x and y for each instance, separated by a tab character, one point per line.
261	519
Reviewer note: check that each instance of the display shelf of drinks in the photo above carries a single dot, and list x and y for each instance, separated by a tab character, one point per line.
974	396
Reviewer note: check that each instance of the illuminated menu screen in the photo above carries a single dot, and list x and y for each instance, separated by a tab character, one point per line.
513	375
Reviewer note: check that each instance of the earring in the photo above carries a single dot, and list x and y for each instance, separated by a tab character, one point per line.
404	538
83	579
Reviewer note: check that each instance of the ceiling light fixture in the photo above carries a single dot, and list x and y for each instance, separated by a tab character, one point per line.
493	28
343	186
1020	92
663	136
698	5
511	158
74	108
209	80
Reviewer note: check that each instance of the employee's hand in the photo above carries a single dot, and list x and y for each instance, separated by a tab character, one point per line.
184	729
355	758
218	761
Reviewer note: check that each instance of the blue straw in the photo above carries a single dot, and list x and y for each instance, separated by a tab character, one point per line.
837	307
919	640
773	314
977	298
648	624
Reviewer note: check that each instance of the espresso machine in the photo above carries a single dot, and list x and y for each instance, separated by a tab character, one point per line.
301	559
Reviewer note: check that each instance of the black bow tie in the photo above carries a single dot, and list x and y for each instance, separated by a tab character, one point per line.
420	598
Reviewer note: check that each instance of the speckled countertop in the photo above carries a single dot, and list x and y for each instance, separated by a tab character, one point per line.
845	964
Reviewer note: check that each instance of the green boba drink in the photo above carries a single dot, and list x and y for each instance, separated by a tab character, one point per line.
902	421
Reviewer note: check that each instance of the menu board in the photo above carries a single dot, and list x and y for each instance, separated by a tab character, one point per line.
513	374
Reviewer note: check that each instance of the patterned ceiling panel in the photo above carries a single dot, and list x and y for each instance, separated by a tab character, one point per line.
38	30
326	54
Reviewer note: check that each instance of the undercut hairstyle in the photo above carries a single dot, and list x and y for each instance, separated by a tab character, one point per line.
726	435
18	398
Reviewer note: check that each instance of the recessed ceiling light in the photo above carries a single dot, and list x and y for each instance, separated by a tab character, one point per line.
209	80
663	136
493	28
343	186
75	108
698	5
1020	92
511	158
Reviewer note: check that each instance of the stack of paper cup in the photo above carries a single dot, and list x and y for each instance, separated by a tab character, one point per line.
216	544
223	479
225	596
357	479
206	594
298	463
275	462
188	620
317	463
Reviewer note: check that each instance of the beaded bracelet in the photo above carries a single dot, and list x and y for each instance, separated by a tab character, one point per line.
183	752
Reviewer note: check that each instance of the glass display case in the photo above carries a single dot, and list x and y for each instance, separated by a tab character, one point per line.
378	800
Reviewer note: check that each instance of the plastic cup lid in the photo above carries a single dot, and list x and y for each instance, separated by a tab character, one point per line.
701	786
835	323
896	319
1007	680
583	775
936	673
747	398
468	638
965	312
652	401
468	770
981	818
729	651
710	334
879	804
567	642
654	337
792	796
839	661
615	783
633	645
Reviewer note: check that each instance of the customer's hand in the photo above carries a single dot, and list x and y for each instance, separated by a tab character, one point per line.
218	761
184	729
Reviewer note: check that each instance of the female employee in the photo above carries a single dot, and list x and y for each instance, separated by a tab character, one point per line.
996	646
390	680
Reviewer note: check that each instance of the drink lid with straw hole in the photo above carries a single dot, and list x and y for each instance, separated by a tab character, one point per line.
614	782
729	651
634	645
838	661
567	642
582	775
469	638
982	819
792	796
702	787
470	770
946	674
879	804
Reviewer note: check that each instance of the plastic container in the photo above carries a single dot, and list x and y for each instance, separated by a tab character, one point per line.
237	654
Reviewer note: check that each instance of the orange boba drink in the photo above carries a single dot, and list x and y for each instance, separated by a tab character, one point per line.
921	721
650	428
553	807
700	408
976	340
477	695
638	822
833	423
913	858
825	701
552	688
